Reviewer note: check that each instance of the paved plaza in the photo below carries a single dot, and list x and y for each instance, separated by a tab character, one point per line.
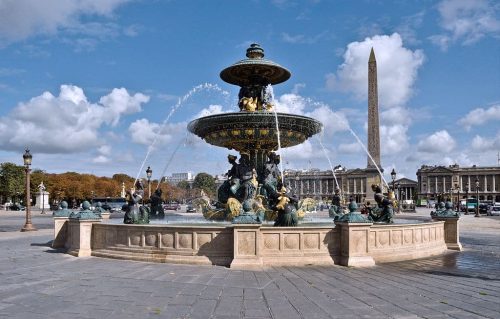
39	282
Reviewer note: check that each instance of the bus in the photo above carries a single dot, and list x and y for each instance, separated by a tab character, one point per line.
110	203
470	205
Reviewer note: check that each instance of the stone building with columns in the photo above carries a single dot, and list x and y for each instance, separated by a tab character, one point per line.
459	182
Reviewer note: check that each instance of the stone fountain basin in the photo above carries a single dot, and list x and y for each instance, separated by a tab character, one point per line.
254	130
244	246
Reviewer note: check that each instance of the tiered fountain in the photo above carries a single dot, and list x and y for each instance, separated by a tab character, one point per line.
255	186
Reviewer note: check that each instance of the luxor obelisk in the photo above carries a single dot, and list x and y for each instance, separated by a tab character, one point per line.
372	176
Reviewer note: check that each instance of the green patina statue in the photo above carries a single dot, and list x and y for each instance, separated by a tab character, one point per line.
98	209
447	211
135	211
84	213
287	210
157	211
336	209
383	213
440	207
63	210
353	216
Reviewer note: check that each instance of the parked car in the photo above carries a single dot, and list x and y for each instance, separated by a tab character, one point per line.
493	210
190	209
17	207
172	206
483	208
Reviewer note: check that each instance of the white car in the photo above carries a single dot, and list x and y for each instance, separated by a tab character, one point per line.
493	210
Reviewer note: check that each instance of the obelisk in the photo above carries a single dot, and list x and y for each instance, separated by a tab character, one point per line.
372	174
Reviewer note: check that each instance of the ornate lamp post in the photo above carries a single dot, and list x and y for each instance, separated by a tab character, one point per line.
393	176
466	198
477	198
457	187
149	173
27	162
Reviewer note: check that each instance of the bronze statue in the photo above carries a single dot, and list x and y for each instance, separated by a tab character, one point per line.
98	209
272	176
384	212
157	211
336	209
135	212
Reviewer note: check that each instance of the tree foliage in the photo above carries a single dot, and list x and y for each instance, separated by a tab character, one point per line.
205	182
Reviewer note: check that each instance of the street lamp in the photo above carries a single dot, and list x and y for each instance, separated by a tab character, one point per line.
466	198
149	173
27	162
477	198
393	176
457	187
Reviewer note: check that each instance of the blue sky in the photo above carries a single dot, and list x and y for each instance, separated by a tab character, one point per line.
87	85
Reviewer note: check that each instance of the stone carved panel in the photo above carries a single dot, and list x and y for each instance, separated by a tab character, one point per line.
247	242
185	240
358	241
383	238
110	237
291	241
371	239
150	239
271	241
204	240
135	238
167	240
408	236
418	235
425	236
223	241
121	237
397	236
311	241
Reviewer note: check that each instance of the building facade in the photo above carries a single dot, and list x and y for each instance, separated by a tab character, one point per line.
459	182
179	177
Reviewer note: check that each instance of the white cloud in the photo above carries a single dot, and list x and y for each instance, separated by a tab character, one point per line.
145	133
483	144
480	116
20	19
351	148
397	69
333	121
66	123
439	142
394	138
211	110
467	21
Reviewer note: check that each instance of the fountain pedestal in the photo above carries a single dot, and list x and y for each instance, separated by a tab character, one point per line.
451	232
354	244
60	231
246	246
80	237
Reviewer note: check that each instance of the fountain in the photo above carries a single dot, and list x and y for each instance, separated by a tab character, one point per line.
254	192
255	189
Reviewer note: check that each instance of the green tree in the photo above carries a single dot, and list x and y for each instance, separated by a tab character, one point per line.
206	182
183	185
11	181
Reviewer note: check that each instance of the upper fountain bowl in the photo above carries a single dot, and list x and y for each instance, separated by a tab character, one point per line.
255	69
243	131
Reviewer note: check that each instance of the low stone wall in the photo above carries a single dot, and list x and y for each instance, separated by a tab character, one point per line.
243	246
179	244
398	242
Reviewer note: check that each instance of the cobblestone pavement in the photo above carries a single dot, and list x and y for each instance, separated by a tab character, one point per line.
39	282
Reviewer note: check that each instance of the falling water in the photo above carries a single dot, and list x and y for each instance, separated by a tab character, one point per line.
205	86
182	141
270	96
369	155
329	162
